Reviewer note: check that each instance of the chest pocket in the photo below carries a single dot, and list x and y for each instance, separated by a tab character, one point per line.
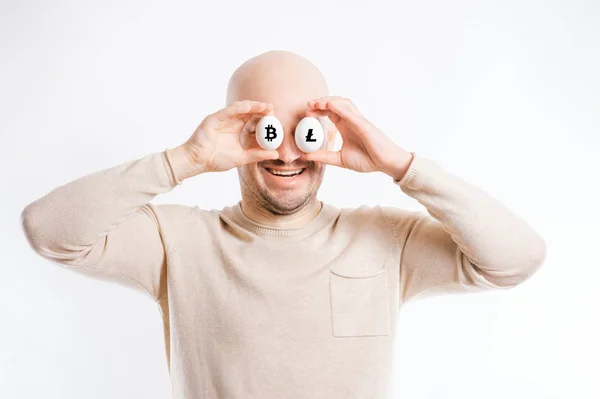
358	293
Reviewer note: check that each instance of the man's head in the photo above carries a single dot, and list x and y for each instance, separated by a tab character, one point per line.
287	81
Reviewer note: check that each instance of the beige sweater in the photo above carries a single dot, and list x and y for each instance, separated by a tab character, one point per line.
251	311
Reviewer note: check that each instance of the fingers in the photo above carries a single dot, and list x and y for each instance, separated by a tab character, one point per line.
250	126
340	106
325	98
335	118
257	155
244	110
326	156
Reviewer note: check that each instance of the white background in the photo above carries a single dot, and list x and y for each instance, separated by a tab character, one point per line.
503	93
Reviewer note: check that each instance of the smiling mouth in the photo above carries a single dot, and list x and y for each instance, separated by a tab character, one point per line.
287	173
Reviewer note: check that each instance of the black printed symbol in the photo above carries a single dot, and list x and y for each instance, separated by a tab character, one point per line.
271	133
309	136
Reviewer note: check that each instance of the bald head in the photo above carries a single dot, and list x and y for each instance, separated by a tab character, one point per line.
279	77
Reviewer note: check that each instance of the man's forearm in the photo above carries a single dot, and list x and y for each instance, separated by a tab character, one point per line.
499	244
66	222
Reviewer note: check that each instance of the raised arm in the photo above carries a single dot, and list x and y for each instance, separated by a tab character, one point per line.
467	241
103	224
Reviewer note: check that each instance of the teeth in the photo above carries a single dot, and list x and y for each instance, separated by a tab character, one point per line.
287	173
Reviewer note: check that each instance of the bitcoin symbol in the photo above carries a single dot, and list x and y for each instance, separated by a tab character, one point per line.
270	133
309	136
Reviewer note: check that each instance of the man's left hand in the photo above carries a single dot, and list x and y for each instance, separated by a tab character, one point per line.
365	148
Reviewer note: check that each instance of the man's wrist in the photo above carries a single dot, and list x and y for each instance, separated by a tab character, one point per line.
182	162
400	166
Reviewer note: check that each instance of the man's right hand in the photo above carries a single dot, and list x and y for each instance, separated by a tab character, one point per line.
216	144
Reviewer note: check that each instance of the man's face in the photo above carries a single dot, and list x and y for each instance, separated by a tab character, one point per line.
287	81
283	194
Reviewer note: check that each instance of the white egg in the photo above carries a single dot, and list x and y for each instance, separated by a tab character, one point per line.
269	132
309	134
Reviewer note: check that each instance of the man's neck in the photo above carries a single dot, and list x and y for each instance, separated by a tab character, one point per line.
301	218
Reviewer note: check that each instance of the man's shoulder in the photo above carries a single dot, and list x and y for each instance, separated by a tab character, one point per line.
362	217
181	213
377	211
365	215
362	212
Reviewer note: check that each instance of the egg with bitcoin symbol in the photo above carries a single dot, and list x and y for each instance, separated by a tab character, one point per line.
269	132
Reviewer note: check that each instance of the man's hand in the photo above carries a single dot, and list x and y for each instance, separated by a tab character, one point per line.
365	148
215	145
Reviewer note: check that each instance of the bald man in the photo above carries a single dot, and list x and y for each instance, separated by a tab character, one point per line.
281	295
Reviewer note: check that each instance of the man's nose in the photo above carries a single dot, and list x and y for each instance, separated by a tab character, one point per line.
288	150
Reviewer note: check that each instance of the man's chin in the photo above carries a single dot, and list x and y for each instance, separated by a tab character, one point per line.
285	204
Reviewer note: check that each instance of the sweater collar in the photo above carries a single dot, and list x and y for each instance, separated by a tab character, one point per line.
326	214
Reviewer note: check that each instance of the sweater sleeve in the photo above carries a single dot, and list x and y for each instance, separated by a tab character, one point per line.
467	241
103	226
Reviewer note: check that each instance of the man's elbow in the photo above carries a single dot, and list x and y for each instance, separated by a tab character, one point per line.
524	268
536	259
28	224
515	271
39	233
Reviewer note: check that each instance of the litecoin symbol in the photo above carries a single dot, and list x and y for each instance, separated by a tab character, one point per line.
309	136
270	133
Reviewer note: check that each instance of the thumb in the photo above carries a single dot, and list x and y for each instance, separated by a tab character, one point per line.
258	155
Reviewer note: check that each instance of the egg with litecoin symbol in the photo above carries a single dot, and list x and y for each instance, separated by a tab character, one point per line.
269	132
309	134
